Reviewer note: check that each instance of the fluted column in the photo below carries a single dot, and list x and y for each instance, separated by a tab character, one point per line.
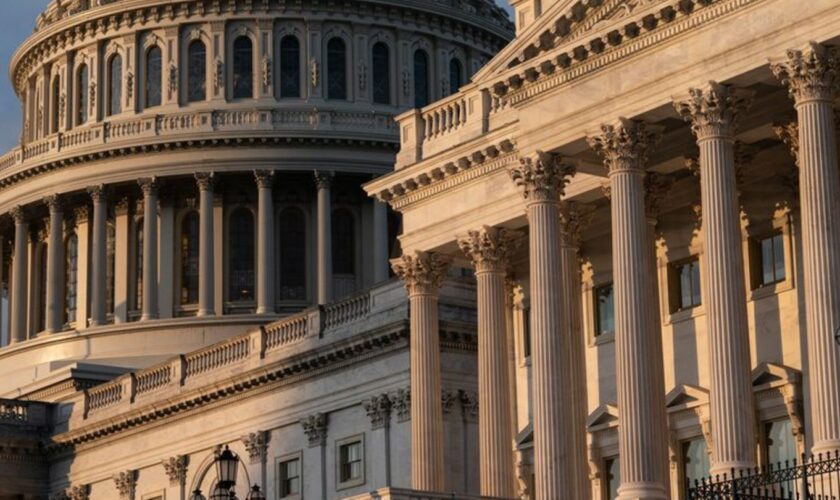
55	265
713	111
811	76
423	274
323	181
574	217
641	402
380	241
98	275
542	179
490	250
150	186
20	284
206	275
265	242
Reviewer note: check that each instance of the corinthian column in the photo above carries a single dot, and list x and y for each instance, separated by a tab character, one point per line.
206	278
99	255
150	186
423	274
573	217
713	112
265	242
323	181
55	265
811	75
641	396
490	250
20	289
542	180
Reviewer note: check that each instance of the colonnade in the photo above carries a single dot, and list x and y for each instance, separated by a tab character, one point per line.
20	292
625	145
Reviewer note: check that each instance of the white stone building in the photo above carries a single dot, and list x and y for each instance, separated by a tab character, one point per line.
190	261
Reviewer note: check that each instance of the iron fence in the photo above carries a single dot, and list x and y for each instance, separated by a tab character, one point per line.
811	478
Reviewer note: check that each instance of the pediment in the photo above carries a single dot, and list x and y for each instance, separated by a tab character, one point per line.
772	374
563	22
604	416
686	396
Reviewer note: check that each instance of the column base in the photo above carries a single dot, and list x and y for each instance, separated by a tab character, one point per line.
265	310
642	491
727	468
829	446
148	317
205	312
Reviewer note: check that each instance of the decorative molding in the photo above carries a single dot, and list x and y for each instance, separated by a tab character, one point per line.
625	144
176	469
401	402
469	405
714	109
149	185
264	178
490	249
810	73
315	428
256	444
422	272
205	181
542	177
323	179
98	193
378	409
126	482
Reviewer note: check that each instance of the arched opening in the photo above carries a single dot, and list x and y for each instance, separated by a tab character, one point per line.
243	68
241	256
456	75
381	74
115	85
343	252
154	77
421	79
71	277
292	254
289	67
55	106
336	69
82	84
189	259
196	71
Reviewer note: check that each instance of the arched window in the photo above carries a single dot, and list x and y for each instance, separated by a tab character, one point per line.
241	256
292	254
189	259
421	79
343	242
154	77
110	270
41	320
196	71
82	81
243	68
289	67
456	75
381	74
55	109
336	69
115	85
71	277
138	265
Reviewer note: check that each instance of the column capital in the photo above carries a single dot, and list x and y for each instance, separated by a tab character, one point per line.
810	73
80	214
205	180
323	179
256	444
422	272
625	144
490	248
315	428
176	469
98	192
264	178
378	409
125	482
149	185
19	214
713	109
574	216
656	188
54	203
542	177
788	133
122	206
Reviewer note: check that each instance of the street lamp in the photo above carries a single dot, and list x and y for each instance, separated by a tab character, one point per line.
227	468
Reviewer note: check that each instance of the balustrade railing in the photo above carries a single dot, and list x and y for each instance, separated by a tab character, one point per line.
812	478
104	396
286	331
347	310
218	356
153	379
13	411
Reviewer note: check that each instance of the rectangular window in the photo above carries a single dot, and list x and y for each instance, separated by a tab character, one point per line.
289	478
604	309
613	478
526	332
770	254
685	281
695	462
779	443
350	455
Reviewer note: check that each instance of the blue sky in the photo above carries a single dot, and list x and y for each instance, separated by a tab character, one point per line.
17	18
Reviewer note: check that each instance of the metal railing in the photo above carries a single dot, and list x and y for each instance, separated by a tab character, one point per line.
811	478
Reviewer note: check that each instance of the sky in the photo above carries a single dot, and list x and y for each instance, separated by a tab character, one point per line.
17	19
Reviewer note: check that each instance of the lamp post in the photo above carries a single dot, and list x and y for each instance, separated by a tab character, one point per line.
227	469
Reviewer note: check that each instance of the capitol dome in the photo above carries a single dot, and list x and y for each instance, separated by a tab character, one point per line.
189	170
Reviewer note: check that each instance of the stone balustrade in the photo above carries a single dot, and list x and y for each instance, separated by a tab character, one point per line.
347	310
13	411
406	494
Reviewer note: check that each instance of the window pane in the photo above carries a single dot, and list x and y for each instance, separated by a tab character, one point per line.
197	72
767	273
189	259
110	271
526	333
82	93
336	69
421	79
241	264
343	242
779	254
780	442
243	68
292	254
71	277
115	85
613	478
695	462
695	284
138	265
381	74
154	76
455	75
54	106
289	67
42	289
685	286
605	303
